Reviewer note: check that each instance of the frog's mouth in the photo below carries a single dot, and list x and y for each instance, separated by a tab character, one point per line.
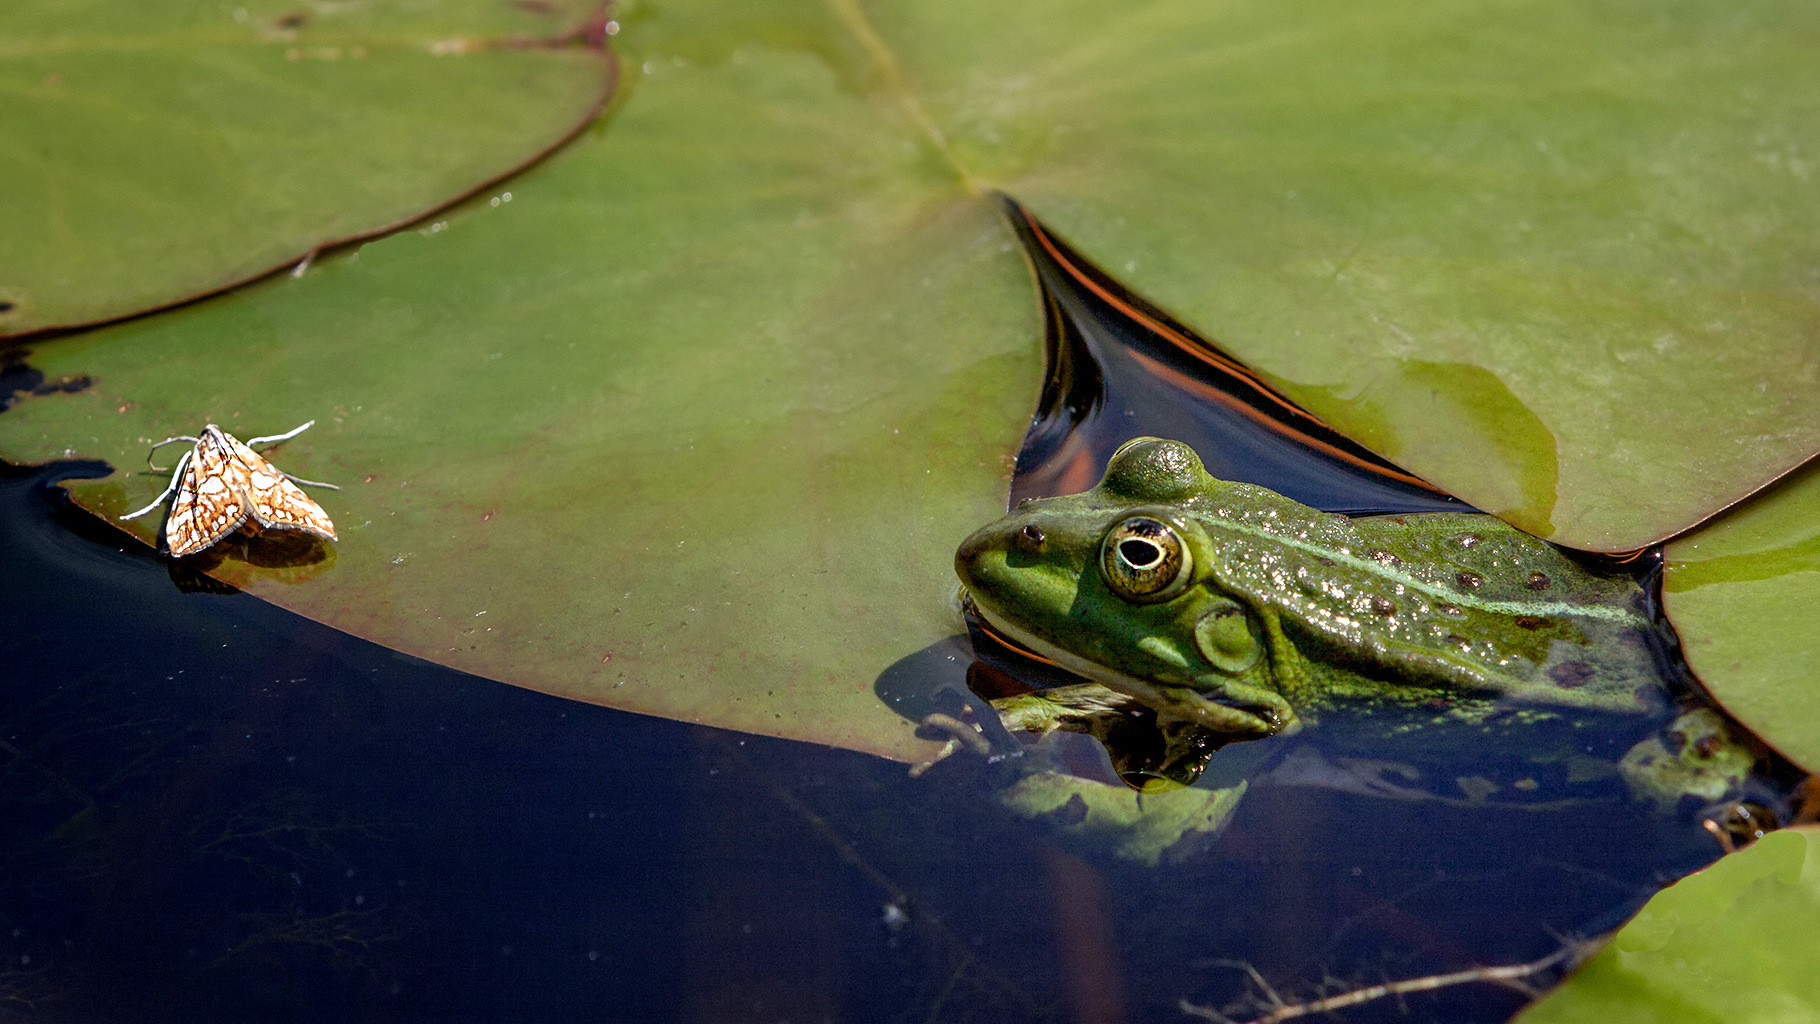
1184	701
1018	636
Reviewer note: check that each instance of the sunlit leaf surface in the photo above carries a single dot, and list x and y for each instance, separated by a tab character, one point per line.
691	424
1742	592
1733	943
150	152
1558	258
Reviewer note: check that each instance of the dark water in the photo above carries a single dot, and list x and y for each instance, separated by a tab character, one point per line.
213	810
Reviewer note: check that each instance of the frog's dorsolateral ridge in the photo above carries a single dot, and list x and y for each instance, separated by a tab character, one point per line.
1230	607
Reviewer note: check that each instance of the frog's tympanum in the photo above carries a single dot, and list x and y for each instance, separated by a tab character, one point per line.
1228	611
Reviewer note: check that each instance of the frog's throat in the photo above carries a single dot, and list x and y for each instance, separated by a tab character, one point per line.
1209	713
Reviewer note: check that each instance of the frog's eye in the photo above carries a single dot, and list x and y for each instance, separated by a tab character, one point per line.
1144	560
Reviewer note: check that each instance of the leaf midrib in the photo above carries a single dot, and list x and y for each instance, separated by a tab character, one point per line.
897	86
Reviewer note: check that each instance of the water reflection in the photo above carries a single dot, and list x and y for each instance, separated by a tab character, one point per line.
1119	368
212	810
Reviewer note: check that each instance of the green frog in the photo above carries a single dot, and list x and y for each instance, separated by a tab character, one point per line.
1215	611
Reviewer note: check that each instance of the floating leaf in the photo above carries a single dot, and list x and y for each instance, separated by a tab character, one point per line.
1742	592
1733	943
1557	258
153	152
1149	829
692	425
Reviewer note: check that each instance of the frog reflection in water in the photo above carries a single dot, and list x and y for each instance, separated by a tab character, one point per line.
1213	611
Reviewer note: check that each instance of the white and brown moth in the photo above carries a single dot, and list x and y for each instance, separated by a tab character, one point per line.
220	482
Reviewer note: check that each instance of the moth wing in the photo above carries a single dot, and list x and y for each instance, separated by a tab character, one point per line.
210	504
276	502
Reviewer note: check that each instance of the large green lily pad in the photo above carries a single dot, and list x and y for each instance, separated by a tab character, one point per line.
692	423
688	426
1730	945
1557	258
154	151
1742	592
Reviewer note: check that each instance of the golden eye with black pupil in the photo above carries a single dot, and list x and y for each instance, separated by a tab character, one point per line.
1142	559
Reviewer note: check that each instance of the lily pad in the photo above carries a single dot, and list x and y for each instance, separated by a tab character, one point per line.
1167	827
1742	592
1733	943
153	152
1556	258
691	424
688	426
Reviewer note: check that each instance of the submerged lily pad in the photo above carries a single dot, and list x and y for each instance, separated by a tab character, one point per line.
1165	827
1742	592
153	152
1732	943
692	423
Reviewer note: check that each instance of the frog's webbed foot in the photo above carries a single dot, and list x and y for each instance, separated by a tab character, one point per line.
960	735
1079	708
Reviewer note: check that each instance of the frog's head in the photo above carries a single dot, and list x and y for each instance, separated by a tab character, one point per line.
1116	584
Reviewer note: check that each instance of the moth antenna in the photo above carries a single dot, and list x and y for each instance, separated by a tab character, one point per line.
176	476
275	438
169	440
307	483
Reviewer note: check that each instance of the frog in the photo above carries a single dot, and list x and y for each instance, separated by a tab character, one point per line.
1219	611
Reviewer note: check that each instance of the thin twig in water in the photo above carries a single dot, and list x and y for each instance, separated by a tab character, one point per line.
1280	1011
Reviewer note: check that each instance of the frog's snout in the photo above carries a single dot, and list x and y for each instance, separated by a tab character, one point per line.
973	550
986	552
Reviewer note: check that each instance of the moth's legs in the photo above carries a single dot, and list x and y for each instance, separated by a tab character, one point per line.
168	440
275	438
176	478
309	483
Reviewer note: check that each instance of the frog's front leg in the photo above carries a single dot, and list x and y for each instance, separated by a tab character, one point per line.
1149	751
1072	708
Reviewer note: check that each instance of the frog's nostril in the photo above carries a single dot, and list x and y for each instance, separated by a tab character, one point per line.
1030	539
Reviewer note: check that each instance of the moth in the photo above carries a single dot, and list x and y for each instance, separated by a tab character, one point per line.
220	482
